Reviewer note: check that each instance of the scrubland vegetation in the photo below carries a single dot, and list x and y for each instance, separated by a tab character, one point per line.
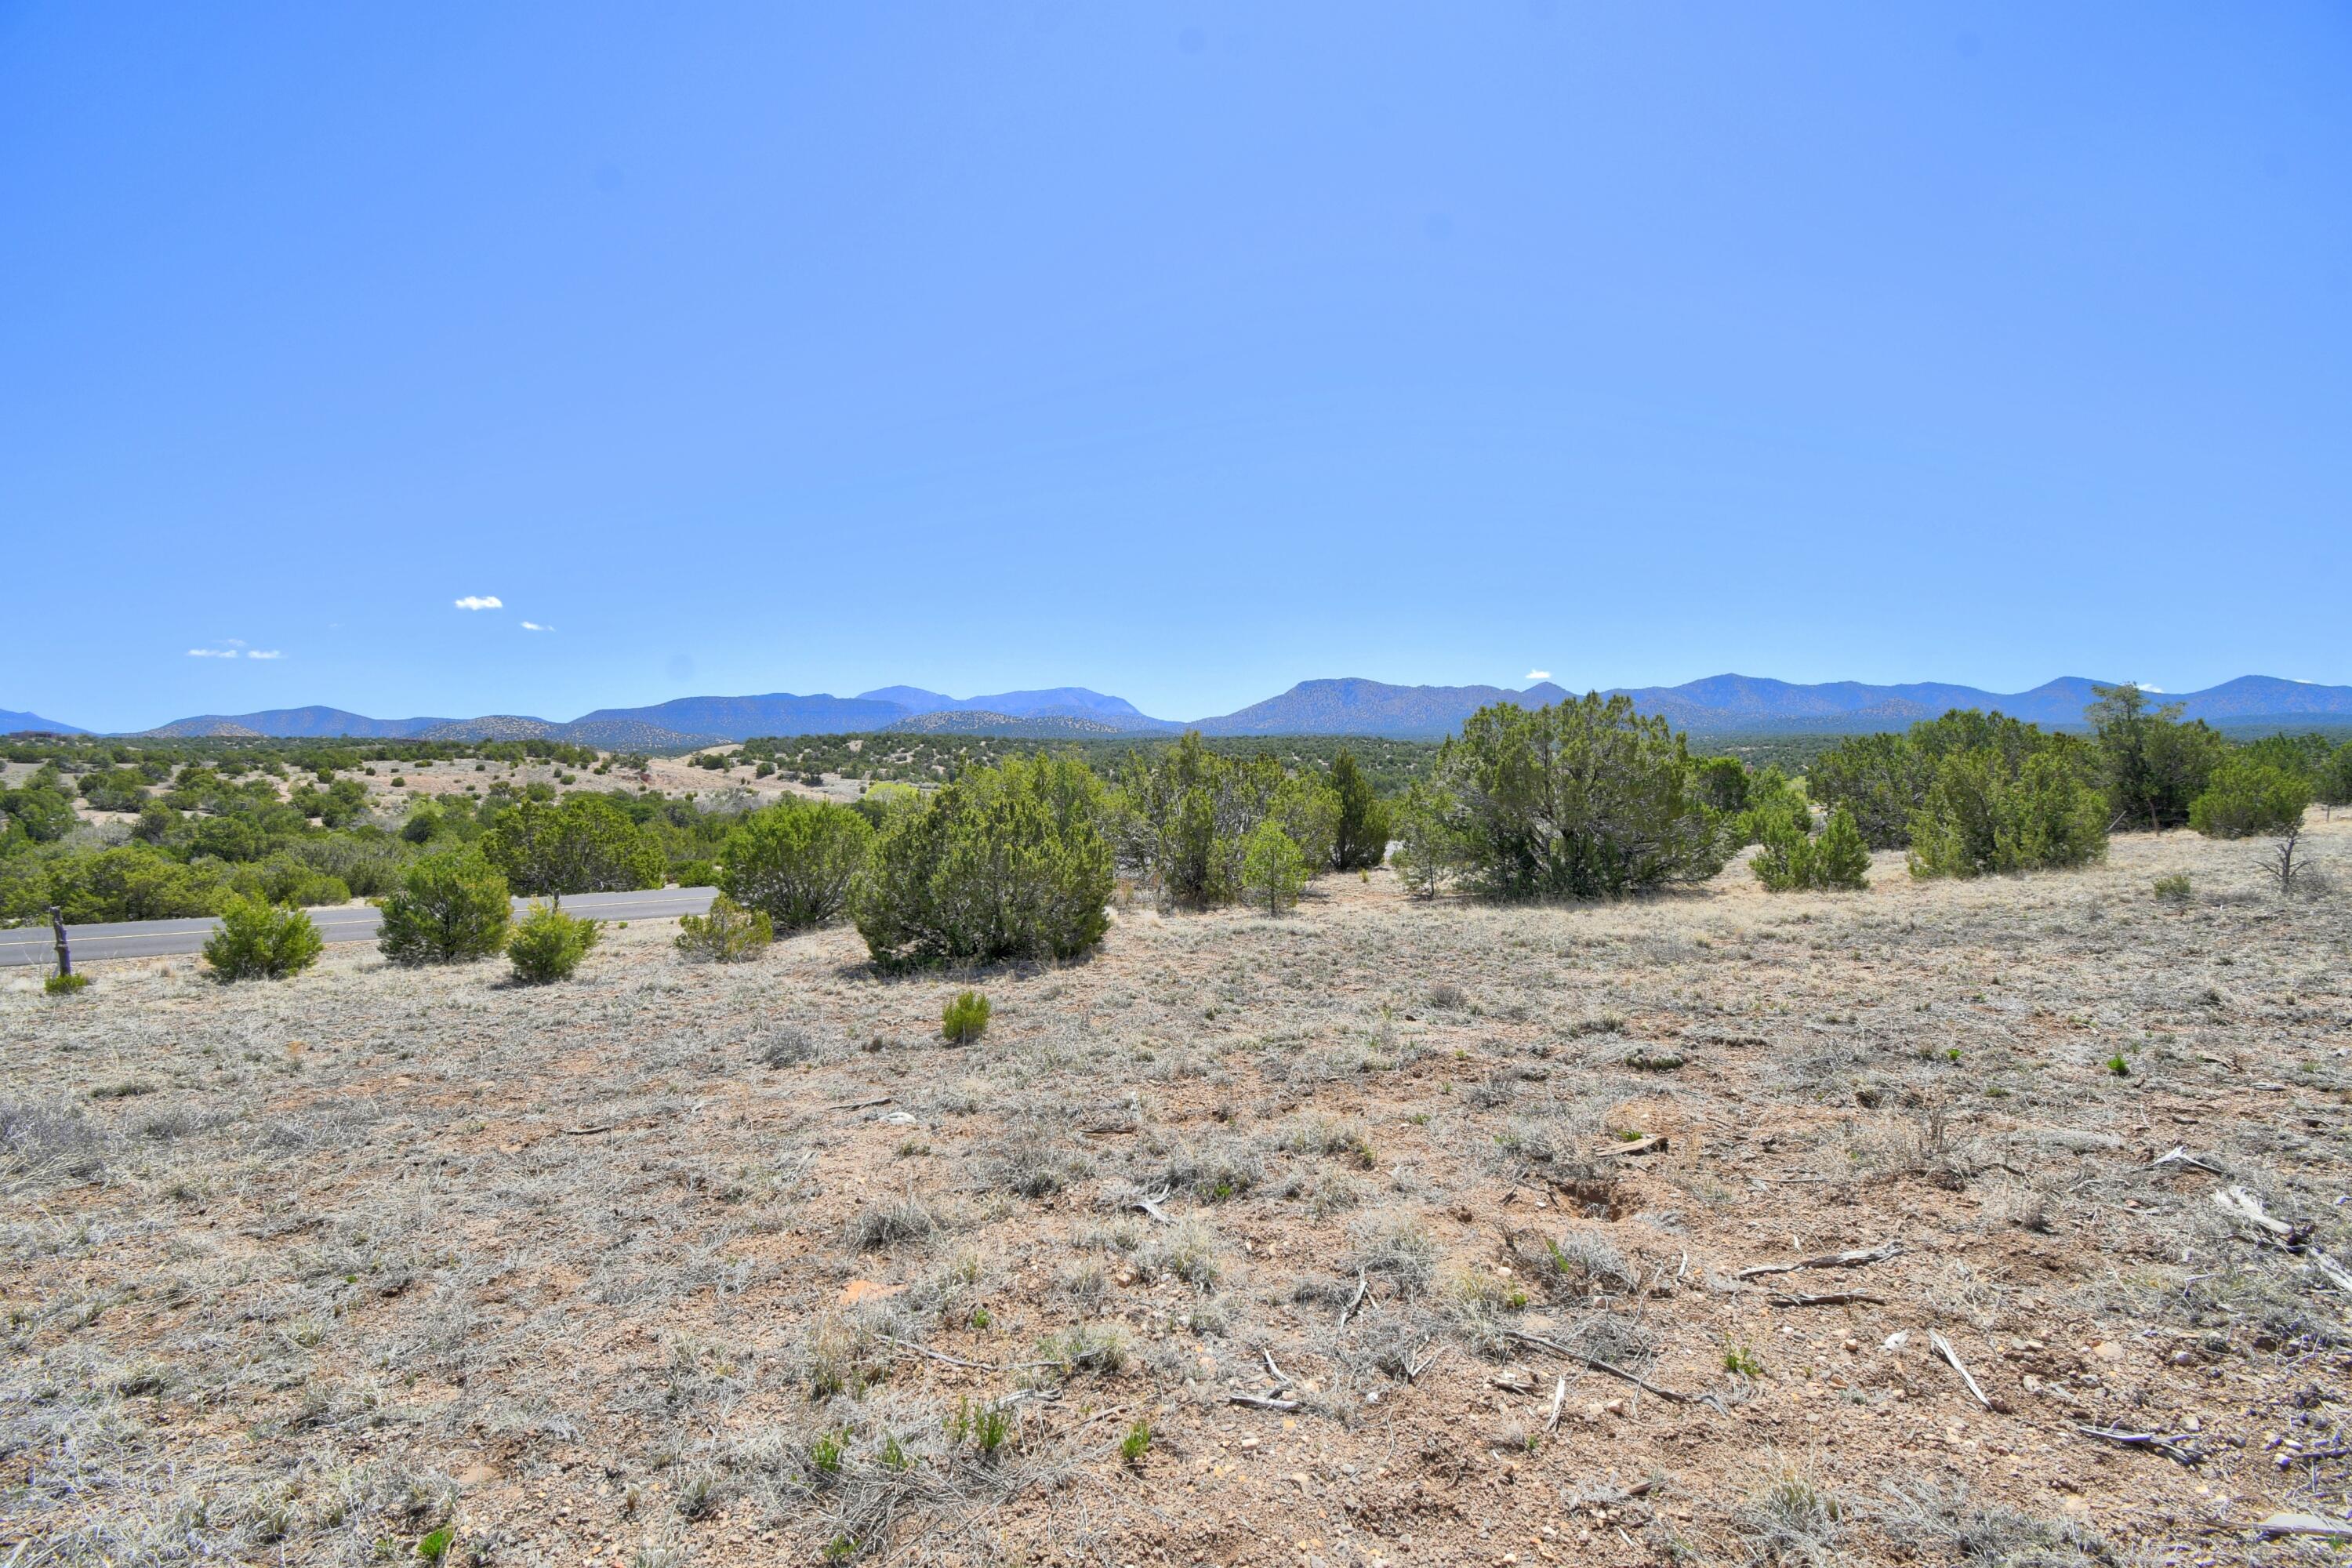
1582	1152
150	829
691	1263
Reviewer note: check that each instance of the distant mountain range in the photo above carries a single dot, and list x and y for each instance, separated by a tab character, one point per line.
1719	705
1743	704
12	722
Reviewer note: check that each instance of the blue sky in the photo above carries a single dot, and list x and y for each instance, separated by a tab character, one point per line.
1179	351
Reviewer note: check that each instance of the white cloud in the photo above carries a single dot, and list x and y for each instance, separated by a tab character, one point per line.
1539	675
481	602
2152	686
263	653
212	653
535	626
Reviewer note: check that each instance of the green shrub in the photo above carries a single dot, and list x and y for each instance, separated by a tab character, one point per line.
64	985
584	844
1838	860
116	789
1181	814
548	944
232	838
965	1017
1136	1443
1773	801
985	1426
729	934
2332	779
1305	810
2248	797
796	861
41	812
1360	837
1882	779
367	864
883	802
2154	766
130	883
1583	799
284	880
1785	863
696	873
1006	862
1426	847
2172	890
261	940
1721	785
450	907
1994	808
1273	868
1841	859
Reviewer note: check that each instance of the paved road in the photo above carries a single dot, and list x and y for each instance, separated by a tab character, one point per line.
345	922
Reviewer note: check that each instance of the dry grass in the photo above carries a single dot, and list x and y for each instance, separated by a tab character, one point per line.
644	1266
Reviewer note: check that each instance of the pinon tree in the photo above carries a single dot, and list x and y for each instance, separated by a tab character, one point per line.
584	844
2249	797
1361	838
796	861
1273	869
1584	799
2154	765
1006	862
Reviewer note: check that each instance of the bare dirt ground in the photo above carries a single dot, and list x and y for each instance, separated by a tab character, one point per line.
668	775
681	1265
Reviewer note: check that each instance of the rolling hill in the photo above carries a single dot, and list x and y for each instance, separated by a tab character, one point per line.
741	718
1114	714
301	723
1357	707
12	722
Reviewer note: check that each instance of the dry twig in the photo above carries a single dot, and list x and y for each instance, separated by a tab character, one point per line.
2180	1446
1853	1259
1944	1348
1596	1364
1258	1402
